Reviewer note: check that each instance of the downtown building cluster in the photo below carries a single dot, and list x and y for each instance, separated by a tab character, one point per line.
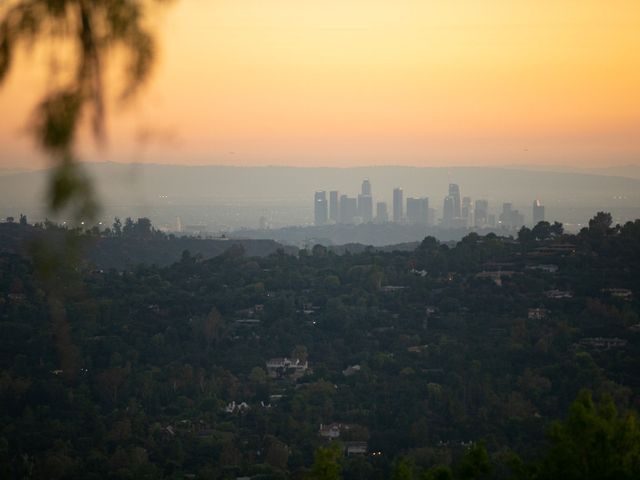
457	212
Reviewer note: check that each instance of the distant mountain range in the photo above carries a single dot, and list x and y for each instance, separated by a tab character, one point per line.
135	183
629	171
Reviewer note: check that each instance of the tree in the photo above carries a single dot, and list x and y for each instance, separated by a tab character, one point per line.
601	223
594	442
23	219
117	227
277	454
300	353
525	235
557	229
325	464
210	327
475	464
439	472
402	470
129	227
143	227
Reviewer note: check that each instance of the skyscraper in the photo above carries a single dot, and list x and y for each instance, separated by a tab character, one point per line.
418	210
348	209
481	213
397	205
320	208
448	212
365	207
454	193
366	187
510	218
334	206
382	215
538	212
466	207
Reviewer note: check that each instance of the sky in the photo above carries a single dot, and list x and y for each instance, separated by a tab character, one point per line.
370	82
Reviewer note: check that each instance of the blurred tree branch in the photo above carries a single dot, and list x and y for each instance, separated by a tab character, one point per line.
93	29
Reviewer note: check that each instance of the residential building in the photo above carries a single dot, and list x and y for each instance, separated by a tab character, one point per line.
285	367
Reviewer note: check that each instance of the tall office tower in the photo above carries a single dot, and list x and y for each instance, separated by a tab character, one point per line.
366	187
538	212
506	217
320	209
466	207
348	209
481	213
454	192
510	218
382	216
397	205
334	206
365	207
418	210
448	212
432	215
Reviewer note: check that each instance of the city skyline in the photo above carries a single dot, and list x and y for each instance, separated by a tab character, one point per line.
456	212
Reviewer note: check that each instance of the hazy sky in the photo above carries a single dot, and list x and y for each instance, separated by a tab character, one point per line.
360	82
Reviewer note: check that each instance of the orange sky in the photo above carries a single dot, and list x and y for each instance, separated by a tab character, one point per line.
360	82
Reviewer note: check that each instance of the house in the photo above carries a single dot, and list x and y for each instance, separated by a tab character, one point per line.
547	268
285	367
417	348
391	288
496	276
351	370
234	407
355	448
537	313
331	431
601	343
622	293
247	322
420	273
17	297
558	294
561	249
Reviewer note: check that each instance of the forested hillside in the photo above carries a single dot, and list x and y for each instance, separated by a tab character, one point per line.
425	363
130	243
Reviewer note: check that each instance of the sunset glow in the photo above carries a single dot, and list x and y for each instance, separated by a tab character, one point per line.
361	82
